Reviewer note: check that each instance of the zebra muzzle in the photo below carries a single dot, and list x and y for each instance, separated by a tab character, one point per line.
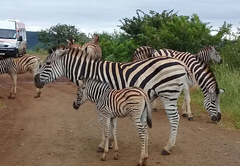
216	118
37	81
75	106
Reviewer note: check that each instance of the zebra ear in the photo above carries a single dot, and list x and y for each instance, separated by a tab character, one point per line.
63	52
221	91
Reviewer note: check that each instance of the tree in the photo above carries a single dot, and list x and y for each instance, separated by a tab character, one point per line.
170	30
58	34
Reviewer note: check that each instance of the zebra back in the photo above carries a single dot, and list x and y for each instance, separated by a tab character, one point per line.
27	63
200	71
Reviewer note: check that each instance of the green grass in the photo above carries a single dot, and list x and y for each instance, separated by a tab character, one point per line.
230	99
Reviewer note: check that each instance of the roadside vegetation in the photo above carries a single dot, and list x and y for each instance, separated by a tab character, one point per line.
167	30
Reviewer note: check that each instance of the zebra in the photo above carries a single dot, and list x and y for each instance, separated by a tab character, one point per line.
112	103
93	48
159	76
201	72
21	65
207	54
71	44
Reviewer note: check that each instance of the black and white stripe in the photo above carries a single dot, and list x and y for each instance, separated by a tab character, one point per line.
208	54
14	66
111	103
202	73
161	76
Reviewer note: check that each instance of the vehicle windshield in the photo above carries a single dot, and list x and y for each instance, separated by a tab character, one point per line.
7	34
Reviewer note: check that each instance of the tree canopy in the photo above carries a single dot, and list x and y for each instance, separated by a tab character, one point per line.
170	30
58	34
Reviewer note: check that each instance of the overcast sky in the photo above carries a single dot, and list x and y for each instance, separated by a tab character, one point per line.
104	15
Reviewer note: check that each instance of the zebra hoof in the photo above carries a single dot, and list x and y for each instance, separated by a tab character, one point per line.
115	158
190	118
100	150
102	159
164	152
185	115
154	109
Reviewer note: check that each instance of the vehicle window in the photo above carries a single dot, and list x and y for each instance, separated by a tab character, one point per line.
7	34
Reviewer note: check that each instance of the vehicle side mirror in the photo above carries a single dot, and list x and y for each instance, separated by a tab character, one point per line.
20	38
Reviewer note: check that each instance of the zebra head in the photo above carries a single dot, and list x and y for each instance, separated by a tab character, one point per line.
212	104
51	69
214	55
81	94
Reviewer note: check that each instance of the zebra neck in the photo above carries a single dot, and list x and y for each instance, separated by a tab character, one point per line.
98	91
76	66
200	70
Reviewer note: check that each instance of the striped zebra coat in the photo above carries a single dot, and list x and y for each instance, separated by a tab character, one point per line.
15	66
93	48
161	76
208	54
201	72
112	103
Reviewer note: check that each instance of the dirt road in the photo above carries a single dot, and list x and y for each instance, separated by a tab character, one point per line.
47	131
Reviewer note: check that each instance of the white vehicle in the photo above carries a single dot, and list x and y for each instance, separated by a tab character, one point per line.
13	38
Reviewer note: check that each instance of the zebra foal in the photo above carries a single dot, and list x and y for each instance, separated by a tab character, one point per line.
14	66
111	103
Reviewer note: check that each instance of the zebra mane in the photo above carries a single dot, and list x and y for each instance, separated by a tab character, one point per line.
205	66
87	80
54	48
208	47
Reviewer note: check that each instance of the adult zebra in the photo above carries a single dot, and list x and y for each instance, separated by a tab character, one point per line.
201	72
160	76
112	103
93	48
14	66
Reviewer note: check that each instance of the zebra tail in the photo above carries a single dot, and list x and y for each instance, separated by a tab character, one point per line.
149	114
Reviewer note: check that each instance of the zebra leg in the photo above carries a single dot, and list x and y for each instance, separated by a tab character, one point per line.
143	136
114	133
38	93
173	116
101	145
187	102
106	123
14	87
111	138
